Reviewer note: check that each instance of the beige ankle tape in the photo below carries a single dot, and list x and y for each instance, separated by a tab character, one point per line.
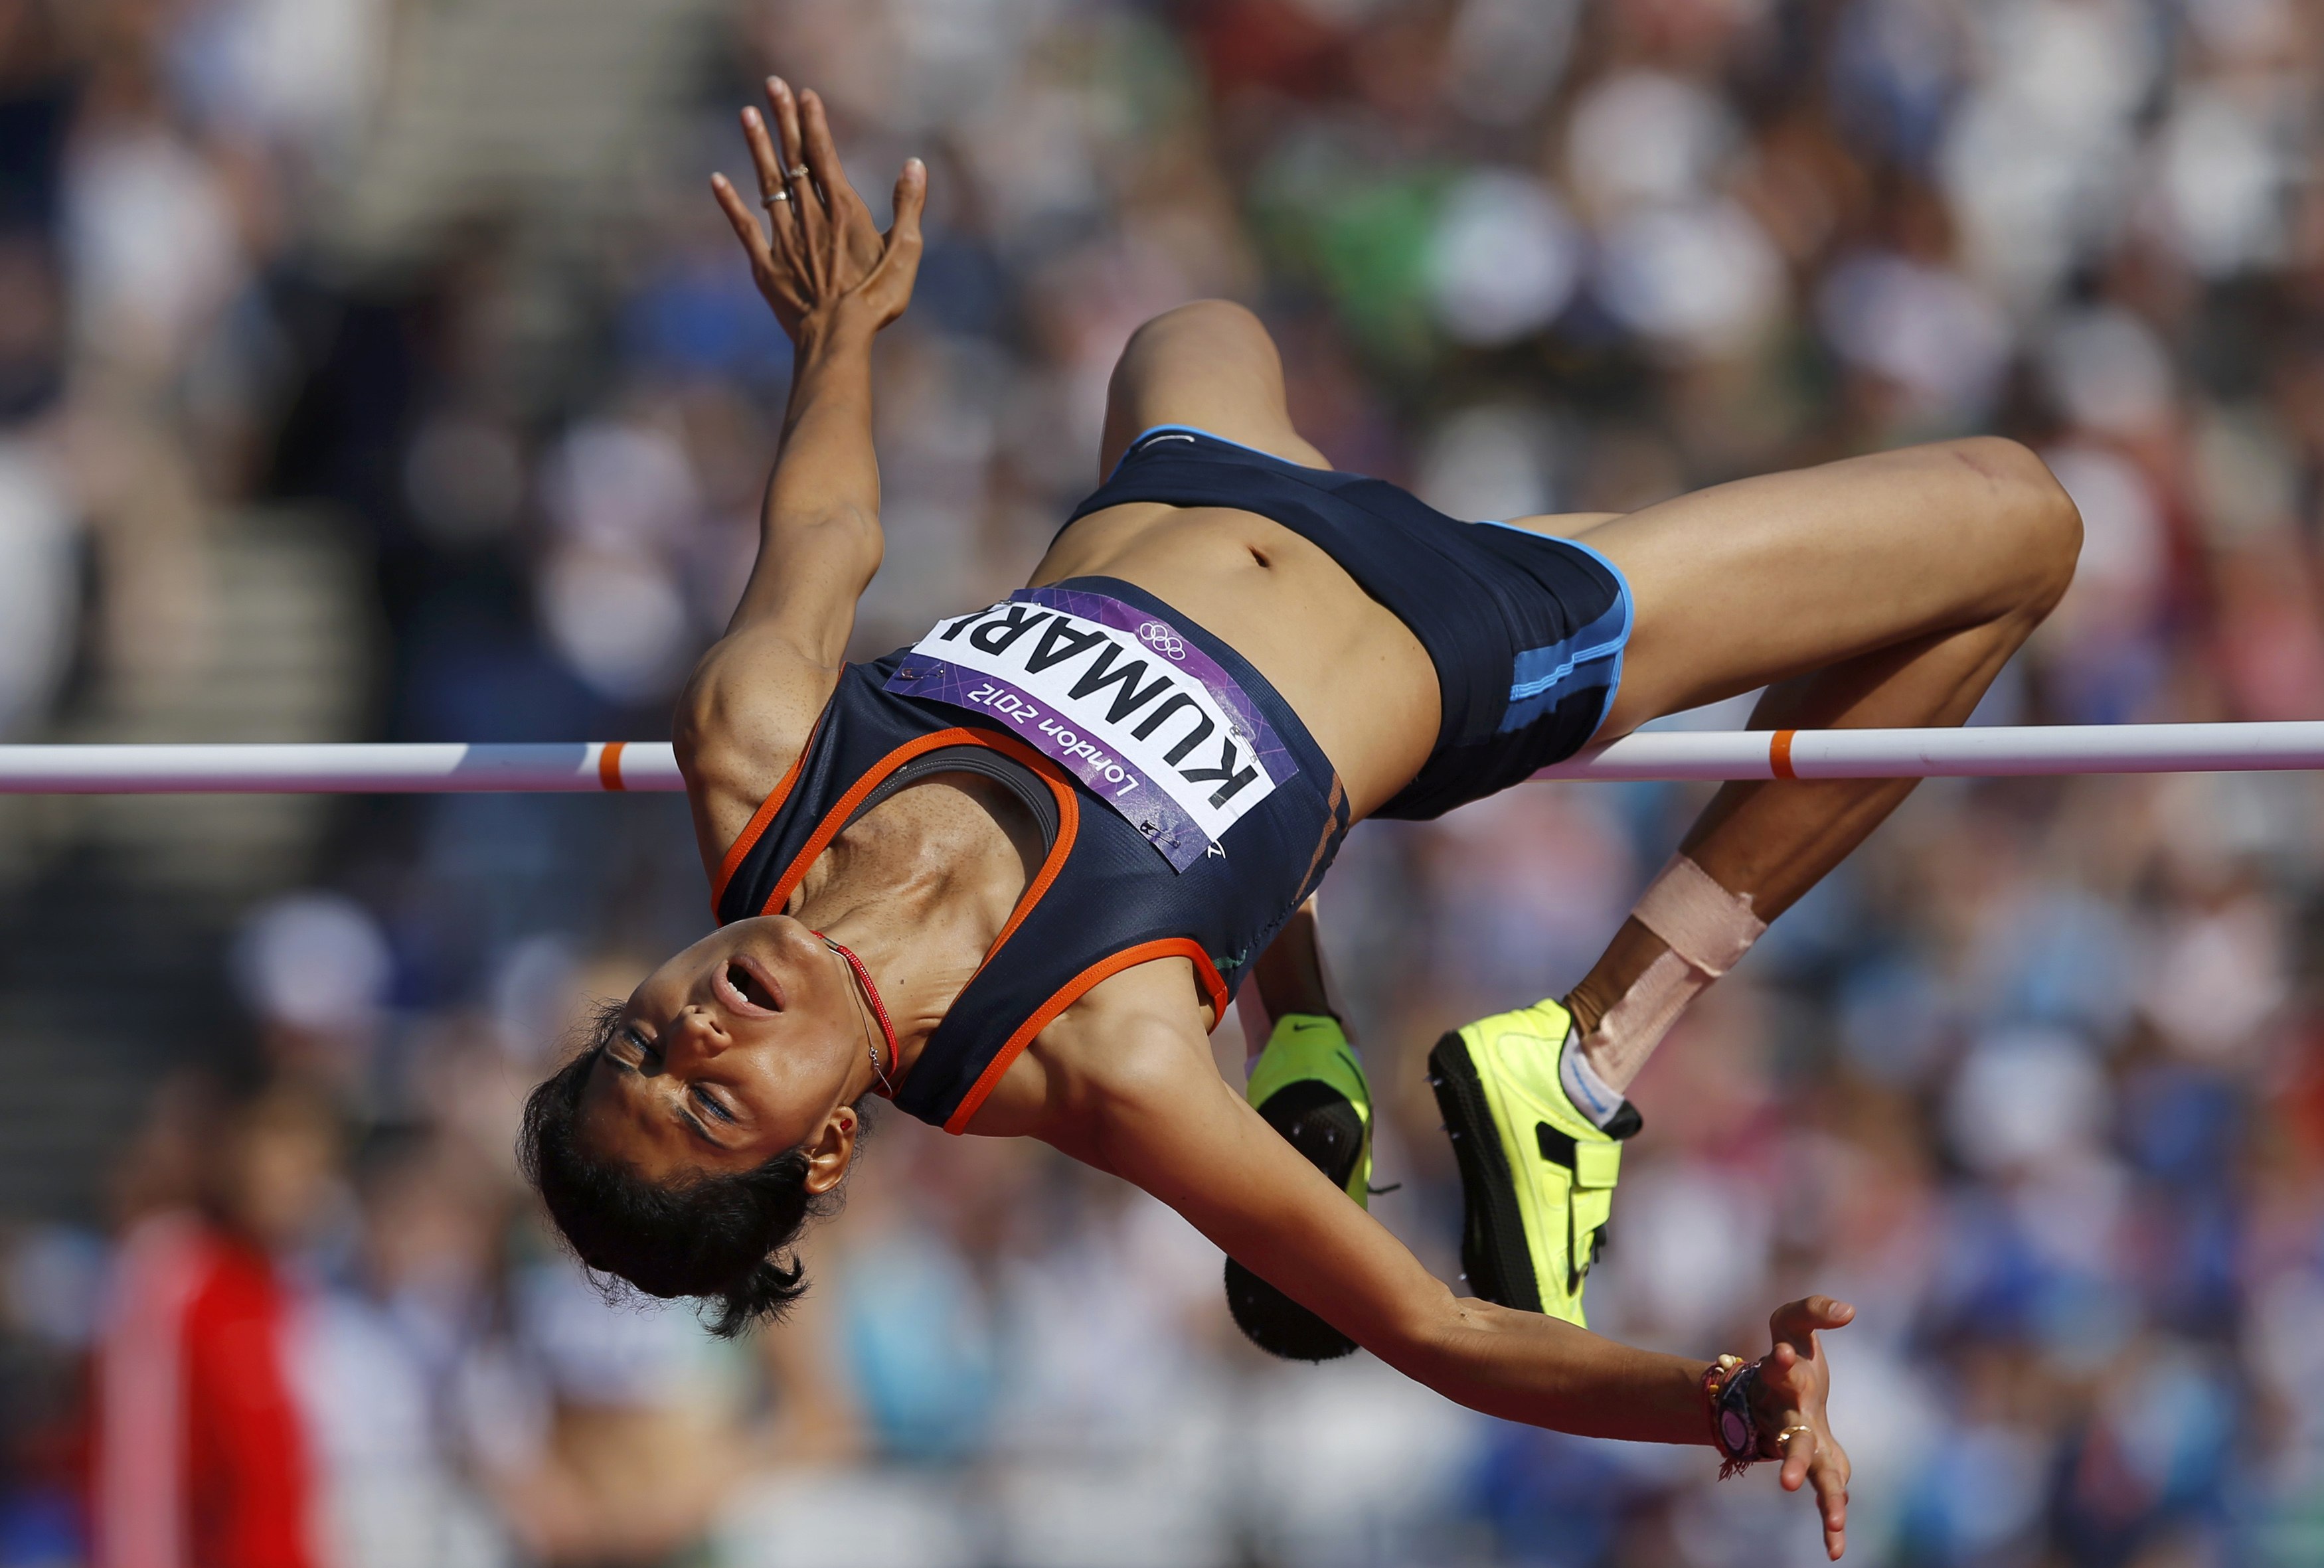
1633	1027
1707	928
1704	923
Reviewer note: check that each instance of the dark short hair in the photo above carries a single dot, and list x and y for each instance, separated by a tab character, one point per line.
722	1238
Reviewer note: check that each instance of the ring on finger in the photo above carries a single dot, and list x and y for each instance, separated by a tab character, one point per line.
1784	1437
799	173
772	197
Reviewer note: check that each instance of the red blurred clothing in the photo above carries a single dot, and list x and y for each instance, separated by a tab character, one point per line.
202	1456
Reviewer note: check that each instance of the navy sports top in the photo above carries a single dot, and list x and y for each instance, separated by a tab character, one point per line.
1186	810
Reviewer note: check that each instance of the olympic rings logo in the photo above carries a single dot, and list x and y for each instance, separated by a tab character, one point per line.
1162	640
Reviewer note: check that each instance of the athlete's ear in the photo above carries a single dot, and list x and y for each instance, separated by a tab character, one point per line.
829	1155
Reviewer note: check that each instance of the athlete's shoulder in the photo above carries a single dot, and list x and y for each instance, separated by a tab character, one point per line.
1128	1041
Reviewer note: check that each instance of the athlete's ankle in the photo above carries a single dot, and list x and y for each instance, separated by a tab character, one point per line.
1689	930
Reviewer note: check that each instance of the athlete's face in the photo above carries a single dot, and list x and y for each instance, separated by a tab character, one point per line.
741	1046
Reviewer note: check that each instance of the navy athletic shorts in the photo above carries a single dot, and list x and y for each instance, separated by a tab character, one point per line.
1525	629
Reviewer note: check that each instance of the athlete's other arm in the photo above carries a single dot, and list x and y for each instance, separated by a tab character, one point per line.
834	280
1157	1114
1290	975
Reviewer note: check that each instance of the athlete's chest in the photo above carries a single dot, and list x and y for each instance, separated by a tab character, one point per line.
950	847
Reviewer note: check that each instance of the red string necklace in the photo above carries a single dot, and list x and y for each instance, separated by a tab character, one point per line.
878	1011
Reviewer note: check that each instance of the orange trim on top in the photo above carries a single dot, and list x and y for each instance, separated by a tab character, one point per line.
609	766
1069	815
1071	991
836	817
757	825
1779	754
1069	827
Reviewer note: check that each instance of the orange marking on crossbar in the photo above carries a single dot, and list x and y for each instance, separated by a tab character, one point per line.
609	765
1779	754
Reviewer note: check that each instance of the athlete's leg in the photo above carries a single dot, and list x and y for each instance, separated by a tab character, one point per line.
1881	591
1210	365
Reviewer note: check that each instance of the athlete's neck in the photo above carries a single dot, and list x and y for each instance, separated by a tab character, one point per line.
920	888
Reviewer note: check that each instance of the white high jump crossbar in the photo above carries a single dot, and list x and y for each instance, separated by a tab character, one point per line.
588	767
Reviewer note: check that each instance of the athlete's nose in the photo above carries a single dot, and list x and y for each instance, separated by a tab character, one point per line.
699	1032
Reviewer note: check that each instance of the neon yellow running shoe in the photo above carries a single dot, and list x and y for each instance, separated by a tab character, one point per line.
1308	1085
1536	1175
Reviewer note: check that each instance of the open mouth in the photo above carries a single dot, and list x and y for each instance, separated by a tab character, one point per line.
748	987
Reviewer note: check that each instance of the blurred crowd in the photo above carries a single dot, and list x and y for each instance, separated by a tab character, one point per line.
2036	1079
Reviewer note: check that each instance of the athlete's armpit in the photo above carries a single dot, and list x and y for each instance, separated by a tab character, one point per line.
740	726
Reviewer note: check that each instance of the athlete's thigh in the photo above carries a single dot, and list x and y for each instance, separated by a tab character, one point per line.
1763	579
1210	365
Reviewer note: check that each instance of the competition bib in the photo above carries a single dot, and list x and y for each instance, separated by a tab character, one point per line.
1118	696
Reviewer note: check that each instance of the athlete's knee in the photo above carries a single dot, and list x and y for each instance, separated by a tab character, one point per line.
2040	532
1221	320
2050	528
1223	315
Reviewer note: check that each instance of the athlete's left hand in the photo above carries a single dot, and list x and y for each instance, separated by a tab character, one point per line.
820	250
1794	1379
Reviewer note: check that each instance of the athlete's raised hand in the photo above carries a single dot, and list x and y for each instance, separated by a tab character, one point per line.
1793	1380
823	251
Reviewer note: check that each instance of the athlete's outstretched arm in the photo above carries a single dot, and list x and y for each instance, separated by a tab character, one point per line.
1163	1118
834	280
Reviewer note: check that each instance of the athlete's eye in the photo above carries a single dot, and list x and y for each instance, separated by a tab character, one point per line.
633	1049
708	1101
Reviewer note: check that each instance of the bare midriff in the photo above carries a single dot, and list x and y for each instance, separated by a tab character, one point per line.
1355	675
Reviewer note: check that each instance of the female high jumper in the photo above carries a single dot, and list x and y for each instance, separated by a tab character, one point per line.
1010	876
